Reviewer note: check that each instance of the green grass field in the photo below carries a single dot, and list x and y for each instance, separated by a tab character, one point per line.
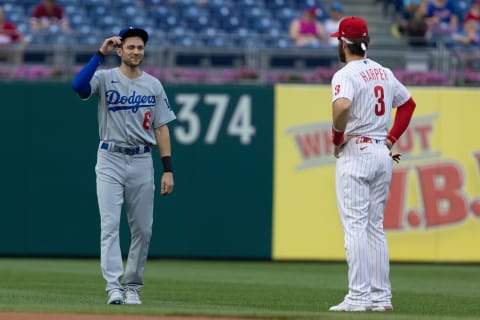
280	290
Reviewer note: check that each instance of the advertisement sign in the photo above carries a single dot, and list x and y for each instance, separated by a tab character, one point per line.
433	208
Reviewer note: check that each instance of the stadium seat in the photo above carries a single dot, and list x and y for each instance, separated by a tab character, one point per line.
160	15
247	38
188	41
107	22
200	23
222	41
251	23
249	3
266	24
285	16
129	12
77	21
65	3
282	42
93	3
277	4
158	38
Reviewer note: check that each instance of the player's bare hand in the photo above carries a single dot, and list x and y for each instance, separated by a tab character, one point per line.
110	44
337	150
166	185
395	157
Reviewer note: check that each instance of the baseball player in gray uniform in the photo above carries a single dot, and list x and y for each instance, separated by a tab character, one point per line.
364	94
133	113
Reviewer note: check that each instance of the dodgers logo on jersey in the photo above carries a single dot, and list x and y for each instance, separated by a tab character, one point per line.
117	101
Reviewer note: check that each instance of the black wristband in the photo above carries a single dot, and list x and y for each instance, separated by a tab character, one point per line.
100	53
167	164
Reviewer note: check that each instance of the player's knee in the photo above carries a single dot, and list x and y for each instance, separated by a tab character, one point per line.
110	232
145	233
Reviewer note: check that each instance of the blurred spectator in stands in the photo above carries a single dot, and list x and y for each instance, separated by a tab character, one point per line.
442	21
474	12
48	13
307	31
467	45
414	24
331	24
468	36
392	8
12	42
408	11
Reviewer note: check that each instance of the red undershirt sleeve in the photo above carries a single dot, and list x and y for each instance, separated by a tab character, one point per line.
402	119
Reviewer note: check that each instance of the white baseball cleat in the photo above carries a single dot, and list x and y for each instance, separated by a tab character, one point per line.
344	306
132	296
115	297
382	308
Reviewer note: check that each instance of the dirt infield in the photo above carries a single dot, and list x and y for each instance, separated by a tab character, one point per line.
66	316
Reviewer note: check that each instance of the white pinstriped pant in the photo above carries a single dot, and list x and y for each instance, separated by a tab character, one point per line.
125	179
363	175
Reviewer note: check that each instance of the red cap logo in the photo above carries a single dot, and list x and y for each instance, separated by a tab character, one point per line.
351	28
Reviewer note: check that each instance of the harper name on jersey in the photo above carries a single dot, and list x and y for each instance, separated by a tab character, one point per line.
374	74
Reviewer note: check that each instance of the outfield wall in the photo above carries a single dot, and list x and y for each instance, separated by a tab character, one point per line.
254	176
433	209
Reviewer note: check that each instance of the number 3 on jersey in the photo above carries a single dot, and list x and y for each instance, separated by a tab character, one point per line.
146	121
380	105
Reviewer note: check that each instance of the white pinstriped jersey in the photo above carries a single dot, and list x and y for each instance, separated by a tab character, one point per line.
374	91
129	109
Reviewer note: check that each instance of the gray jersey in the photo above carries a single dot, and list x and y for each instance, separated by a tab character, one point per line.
130	109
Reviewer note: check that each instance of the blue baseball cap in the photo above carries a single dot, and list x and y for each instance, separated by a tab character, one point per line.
134	32
336	6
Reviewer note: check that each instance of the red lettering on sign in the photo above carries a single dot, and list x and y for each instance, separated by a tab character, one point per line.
443	199
405	143
396	200
315	144
424	131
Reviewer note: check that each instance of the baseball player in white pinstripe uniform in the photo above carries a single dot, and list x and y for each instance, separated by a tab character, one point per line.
133	113
364	94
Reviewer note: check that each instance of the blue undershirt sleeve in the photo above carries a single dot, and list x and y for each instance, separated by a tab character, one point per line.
81	82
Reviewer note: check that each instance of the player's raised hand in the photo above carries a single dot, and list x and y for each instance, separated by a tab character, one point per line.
110	44
166	185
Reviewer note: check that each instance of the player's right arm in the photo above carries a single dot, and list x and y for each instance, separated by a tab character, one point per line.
81	82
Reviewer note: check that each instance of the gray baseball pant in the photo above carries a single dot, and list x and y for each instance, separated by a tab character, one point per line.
125	179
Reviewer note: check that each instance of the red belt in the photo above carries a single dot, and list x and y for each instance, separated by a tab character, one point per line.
366	140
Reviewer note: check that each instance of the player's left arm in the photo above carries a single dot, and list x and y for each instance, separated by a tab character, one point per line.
402	119
162	136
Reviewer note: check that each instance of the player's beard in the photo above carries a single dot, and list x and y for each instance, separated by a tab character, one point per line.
341	53
131	64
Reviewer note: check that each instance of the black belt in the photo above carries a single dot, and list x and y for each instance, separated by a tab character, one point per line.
125	150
